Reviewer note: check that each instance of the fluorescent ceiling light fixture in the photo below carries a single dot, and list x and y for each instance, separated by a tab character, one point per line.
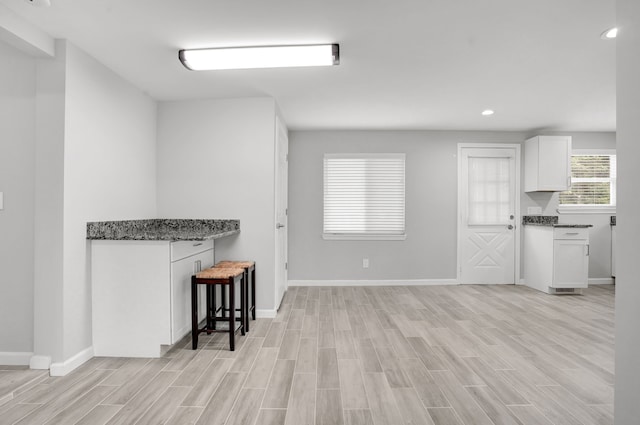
487	112
42	3
260	57
609	34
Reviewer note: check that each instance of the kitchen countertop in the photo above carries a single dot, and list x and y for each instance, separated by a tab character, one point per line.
162	229
549	221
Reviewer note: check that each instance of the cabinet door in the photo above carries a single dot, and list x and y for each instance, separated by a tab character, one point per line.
570	263
554	163
181	272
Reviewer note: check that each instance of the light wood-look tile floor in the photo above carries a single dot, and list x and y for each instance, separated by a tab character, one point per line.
446	355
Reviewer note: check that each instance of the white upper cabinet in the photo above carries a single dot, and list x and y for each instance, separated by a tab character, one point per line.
547	164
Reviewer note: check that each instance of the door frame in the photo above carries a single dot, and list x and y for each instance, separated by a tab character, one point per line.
518	231
280	126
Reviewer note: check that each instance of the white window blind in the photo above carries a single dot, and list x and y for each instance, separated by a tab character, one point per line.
364	196
593	181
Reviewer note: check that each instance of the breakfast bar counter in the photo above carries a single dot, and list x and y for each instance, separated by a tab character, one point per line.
140	278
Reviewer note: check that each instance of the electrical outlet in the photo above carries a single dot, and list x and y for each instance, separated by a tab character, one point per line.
365	263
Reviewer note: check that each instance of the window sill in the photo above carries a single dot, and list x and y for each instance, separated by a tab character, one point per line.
345	237
586	210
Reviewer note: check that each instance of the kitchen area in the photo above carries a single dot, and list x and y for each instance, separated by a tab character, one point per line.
572	244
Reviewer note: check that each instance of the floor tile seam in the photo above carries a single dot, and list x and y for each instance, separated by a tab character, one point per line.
213	392
56	411
146	384
69	403
96	404
273	368
25	386
237	397
141	415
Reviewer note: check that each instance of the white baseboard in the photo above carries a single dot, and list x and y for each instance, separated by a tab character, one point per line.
594	281
602	281
406	282
61	369
265	314
15	359
40	362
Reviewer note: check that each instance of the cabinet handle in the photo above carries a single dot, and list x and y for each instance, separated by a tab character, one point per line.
197	244
569	181
588	250
572	233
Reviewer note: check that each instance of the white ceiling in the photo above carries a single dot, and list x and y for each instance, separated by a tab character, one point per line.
405	64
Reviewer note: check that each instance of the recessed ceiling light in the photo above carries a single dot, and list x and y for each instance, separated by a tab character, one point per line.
488	112
260	57
609	34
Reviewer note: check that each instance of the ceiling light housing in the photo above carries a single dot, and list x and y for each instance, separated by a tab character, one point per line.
260	57
41	3
488	112
609	34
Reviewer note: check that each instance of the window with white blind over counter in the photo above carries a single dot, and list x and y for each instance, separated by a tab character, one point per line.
364	196
593	182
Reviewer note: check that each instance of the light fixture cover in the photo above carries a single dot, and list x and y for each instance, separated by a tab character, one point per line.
609	34
260	57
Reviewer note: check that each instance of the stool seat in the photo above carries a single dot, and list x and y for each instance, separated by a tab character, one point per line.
236	264
226	278
219	273
250	278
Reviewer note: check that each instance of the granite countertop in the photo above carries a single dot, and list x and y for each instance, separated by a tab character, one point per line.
162	229
548	221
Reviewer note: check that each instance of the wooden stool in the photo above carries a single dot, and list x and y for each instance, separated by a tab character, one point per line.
250	279
223	277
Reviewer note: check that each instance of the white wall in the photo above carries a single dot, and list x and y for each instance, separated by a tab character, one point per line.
627	385
109	173
429	252
17	181
48	246
216	160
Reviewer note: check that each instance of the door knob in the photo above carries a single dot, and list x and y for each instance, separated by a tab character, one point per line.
510	226
279	226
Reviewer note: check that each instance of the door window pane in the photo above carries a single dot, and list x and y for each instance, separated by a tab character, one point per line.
489	200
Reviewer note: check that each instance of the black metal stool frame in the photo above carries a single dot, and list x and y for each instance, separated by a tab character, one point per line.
250	281
211	319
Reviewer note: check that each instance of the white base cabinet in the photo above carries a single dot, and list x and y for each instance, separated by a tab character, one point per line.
556	260
141	294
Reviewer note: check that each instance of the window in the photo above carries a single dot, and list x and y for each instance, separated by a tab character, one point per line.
364	196
593	182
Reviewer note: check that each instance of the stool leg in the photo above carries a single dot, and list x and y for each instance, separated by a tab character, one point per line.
232	315
223	299
243	303
209	300
214	313
253	293
194	313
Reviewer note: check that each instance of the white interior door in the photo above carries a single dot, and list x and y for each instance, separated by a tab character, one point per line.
487	206
281	228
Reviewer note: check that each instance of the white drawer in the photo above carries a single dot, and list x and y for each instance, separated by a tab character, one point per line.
571	233
184	249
